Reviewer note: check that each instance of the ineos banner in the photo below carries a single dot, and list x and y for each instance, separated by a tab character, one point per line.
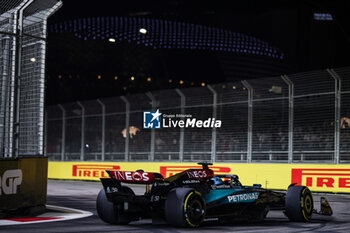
23	182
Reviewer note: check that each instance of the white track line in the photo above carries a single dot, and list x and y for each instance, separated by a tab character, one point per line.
63	214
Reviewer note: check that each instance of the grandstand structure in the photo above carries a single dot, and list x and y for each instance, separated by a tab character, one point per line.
241	56
297	118
165	34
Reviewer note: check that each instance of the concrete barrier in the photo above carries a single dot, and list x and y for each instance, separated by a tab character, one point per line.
23	183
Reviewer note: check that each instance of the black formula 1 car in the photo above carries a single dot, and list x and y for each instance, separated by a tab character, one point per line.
187	198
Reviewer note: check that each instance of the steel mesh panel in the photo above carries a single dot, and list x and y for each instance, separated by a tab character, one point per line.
31	98
73	110
73	138
198	96
93	138
314	112
31	80
8	17
231	93
313	82
92	107
313	123
344	74
140	144
231	138
9	5
270	130
6	82
114	105
53	112
167	139
73	121
345	128
167	99
54	139
8	21
114	128
270	119
140	102
313	128
270	88
54	127
115	141
197	142
22	38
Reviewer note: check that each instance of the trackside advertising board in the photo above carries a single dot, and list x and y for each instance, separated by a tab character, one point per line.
322	178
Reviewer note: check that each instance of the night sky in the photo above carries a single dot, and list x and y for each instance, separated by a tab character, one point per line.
81	69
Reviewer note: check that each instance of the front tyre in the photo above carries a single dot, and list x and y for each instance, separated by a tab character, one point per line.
108	211
299	204
185	207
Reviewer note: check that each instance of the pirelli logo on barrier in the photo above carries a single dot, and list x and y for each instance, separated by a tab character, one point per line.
167	171
92	170
319	177
322	179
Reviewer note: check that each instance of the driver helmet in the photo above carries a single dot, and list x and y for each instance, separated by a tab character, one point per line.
217	180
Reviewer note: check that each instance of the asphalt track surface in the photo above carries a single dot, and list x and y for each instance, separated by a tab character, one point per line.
82	195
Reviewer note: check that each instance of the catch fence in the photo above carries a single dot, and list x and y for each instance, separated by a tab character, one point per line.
23	33
295	118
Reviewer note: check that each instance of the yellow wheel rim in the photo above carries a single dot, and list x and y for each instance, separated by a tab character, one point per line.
308	204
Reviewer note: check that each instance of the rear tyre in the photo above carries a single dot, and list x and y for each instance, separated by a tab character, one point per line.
184	207
299	204
110	212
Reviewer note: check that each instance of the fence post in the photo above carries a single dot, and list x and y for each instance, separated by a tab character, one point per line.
250	120
63	136
82	145
103	129
4	92
17	82
213	132
149	95
127	122
42	74
45	133
337	116
290	117
9	148
182	130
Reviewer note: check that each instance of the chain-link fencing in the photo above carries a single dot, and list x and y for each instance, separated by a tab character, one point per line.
292	118
23	33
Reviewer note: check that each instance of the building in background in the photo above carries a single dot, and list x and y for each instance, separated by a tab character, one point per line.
187	44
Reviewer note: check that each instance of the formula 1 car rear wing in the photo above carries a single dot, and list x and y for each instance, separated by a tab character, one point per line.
137	177
113	184
141	177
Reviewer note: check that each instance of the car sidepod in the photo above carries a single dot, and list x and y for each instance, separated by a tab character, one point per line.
231	196
235	204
